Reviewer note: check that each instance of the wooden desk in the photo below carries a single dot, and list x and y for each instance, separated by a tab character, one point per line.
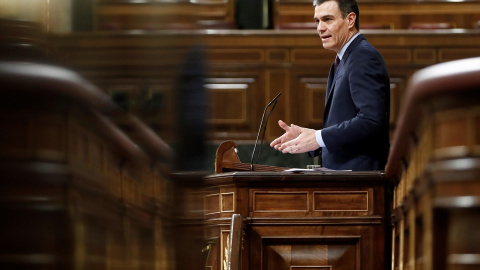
311	220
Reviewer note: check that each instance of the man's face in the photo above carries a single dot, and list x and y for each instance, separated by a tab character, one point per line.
331	27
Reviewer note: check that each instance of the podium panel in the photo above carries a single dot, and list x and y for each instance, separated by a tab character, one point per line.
308	220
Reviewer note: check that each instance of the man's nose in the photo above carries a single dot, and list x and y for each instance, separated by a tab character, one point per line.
320	26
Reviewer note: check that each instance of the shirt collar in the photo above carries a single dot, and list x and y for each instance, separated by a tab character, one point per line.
344	48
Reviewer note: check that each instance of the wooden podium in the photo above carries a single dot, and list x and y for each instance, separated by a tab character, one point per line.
297	221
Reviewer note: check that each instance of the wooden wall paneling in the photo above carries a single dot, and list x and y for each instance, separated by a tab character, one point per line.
290	12
128	15
396	15
230	102
396	56
403	14
277	56
450	54
426	56
236	55
236	70
309	85
236	102
313	95
152	100
313	56
150	65
278	80
142	75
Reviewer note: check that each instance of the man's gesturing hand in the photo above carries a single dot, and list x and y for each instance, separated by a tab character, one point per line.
295	139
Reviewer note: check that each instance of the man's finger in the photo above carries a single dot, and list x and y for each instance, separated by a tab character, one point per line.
274	142
286	146
283	125
277	140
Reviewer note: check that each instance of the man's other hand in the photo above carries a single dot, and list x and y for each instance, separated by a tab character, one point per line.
295	139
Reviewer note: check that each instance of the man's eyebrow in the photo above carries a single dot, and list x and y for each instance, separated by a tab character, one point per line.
323	17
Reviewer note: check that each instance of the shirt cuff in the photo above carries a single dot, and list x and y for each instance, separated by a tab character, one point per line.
318	137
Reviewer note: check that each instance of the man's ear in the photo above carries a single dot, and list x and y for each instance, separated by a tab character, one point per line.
351	17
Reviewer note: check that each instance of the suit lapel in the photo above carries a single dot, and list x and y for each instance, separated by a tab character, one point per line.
329	83
330	86
333	77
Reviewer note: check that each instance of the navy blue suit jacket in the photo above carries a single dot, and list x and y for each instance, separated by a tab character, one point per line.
357	109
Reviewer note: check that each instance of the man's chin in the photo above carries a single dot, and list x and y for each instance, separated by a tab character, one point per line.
326	46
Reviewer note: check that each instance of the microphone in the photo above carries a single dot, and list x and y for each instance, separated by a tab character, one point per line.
274	102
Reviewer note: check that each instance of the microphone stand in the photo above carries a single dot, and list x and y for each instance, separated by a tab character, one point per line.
274	101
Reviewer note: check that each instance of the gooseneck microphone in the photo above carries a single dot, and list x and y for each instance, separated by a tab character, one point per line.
274	102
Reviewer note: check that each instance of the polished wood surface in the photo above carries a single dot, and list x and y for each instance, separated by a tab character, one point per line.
312	220
434	162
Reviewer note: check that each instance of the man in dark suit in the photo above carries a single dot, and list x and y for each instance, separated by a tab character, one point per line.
356	118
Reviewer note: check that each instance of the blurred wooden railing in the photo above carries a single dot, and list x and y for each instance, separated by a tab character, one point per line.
77	191
435	164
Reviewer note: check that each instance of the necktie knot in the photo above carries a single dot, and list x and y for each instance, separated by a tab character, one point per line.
337	61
